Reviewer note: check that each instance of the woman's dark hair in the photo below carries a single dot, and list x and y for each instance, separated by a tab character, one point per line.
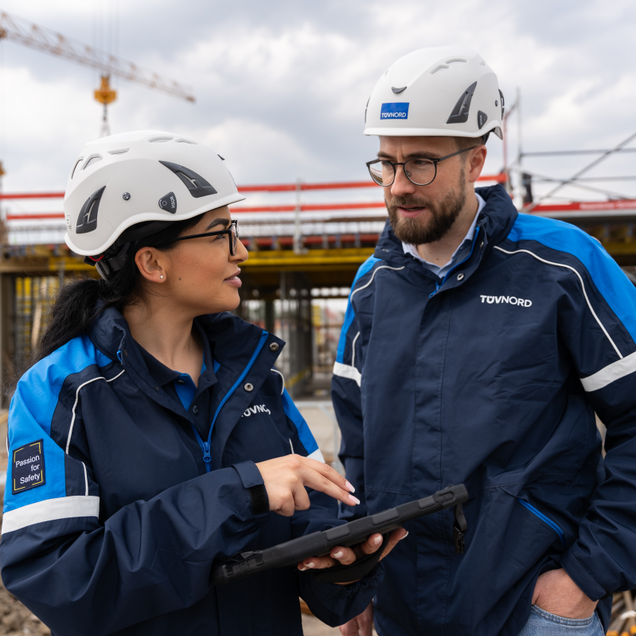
76	305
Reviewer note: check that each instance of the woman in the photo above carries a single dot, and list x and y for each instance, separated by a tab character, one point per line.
154	439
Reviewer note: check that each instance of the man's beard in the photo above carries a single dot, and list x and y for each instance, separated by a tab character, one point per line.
442	216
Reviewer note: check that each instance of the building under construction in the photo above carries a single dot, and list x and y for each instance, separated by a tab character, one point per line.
302	256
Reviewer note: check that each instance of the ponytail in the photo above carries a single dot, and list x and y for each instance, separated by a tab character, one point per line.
76	305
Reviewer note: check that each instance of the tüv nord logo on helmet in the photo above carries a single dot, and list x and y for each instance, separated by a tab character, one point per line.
395	110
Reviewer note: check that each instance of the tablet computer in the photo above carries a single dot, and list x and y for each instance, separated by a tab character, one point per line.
320	543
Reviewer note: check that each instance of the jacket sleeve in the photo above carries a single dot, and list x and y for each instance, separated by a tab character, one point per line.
345	395
598	325
84	575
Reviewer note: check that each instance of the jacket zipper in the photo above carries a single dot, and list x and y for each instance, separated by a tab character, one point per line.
543	518
207	445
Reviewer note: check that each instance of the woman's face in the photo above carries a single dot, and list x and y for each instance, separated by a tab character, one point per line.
201	277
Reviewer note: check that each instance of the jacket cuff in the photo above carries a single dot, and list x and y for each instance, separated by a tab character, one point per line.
253	482
581	575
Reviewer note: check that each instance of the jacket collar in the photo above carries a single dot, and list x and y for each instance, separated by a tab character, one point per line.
232	341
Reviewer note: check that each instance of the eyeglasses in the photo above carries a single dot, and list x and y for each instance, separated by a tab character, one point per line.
232	232
418	170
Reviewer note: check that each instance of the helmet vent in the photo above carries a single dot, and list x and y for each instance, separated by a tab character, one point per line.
398	90
447	63
186	141
160	140
87	219
482	118
77	163
91	160
118	152
196	184
462	107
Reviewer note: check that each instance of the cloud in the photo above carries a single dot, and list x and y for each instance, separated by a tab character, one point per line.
281	86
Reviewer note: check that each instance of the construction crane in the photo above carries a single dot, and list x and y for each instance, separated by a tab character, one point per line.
34	36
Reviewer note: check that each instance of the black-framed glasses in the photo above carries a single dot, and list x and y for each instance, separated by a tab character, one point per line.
232	232
419	171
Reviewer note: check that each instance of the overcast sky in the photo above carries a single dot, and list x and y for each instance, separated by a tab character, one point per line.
281	86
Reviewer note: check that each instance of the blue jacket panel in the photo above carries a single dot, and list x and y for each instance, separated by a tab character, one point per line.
119	502
491	377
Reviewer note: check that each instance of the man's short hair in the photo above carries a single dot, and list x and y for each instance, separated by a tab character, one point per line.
469	142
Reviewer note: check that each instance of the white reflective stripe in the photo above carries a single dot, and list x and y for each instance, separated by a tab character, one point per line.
587	300
375	271
610	373
354	374
50	510
353	350
70	430
317	455
345	371
85	479
282	377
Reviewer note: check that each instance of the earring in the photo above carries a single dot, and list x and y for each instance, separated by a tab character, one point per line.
161	276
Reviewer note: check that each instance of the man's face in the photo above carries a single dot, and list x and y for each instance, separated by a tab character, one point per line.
424	214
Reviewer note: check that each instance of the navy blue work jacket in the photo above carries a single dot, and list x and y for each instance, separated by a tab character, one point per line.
491	377
119	501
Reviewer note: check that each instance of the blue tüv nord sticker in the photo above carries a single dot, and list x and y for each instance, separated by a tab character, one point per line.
27	470
395	110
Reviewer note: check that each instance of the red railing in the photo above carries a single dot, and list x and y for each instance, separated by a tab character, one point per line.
285	187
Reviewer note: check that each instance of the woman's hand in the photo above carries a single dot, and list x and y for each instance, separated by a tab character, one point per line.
346	556
285	479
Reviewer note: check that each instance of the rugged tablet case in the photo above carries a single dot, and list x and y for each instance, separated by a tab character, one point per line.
320	543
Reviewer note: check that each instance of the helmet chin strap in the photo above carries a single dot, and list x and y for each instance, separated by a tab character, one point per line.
108	266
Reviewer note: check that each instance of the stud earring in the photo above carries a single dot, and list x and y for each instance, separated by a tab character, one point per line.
161	276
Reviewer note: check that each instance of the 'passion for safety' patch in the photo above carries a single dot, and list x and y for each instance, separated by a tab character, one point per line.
27	470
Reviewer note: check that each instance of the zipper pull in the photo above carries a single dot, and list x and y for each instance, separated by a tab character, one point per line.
459	529
207	457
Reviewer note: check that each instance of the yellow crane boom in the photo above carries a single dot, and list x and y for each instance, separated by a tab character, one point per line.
32	35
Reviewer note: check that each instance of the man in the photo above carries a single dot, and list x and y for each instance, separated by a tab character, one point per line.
477	345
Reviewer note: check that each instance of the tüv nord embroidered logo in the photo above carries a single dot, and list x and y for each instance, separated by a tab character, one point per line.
508	300
253	410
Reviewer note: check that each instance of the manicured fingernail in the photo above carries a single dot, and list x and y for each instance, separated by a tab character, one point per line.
338	555
350	488
302	568
355	500
405	535
377	541
311	564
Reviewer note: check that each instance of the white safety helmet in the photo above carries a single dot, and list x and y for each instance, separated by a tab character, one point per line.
139	177
436	92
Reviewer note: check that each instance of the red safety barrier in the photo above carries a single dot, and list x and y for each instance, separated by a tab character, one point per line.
285	187
32	217
309	207
585	206
37	195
